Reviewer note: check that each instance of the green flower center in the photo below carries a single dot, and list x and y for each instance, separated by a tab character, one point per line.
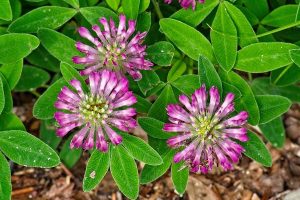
94	109
203	126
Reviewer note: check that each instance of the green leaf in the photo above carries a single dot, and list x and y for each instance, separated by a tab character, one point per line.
96	169
44	106
144	4
264	57
156	89
92	14
69	156
161	53
256	150
286	75
151	173
140	150
12	72
259	8
274	132
43	59
178	68
295	56
262	86
73	3
5	10
10	121
158	108
208	74
5	179
131	8
227	87
114	4
142	105
149	81
249	15
43	17
31	78
192	42
69	73
246	34
195	17
124	171
2	96
7	95
48	133
224	39
59	45
159	145
282	16
3	30
247	101
187	84
179	177
272	106
153	127
144	22
25	149
16	46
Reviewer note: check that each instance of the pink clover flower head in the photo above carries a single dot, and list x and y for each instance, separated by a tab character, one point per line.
114	48
207	133
186	3
93	114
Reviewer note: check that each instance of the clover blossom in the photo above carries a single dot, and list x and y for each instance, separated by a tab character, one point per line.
208	134
114	49
94	113
186	3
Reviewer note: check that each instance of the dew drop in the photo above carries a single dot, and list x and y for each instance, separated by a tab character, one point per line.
92	175
48	158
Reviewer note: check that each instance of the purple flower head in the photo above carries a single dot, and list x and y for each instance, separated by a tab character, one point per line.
114	48
186	3
93	113
208	134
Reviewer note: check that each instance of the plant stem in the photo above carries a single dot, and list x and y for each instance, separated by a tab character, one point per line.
279	29
250	77
157	9
35	93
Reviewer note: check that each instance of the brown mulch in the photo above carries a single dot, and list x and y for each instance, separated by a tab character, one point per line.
249	180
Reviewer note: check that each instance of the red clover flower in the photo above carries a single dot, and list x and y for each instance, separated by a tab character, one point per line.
186	3
94	113
207	133
116	50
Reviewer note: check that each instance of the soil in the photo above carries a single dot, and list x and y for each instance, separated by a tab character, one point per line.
248	181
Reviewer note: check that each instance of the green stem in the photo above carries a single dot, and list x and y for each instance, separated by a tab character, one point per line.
157	9
282	73
250	77
279	29
35	93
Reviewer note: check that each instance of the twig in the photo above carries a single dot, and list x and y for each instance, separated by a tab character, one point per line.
22	191
66	170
